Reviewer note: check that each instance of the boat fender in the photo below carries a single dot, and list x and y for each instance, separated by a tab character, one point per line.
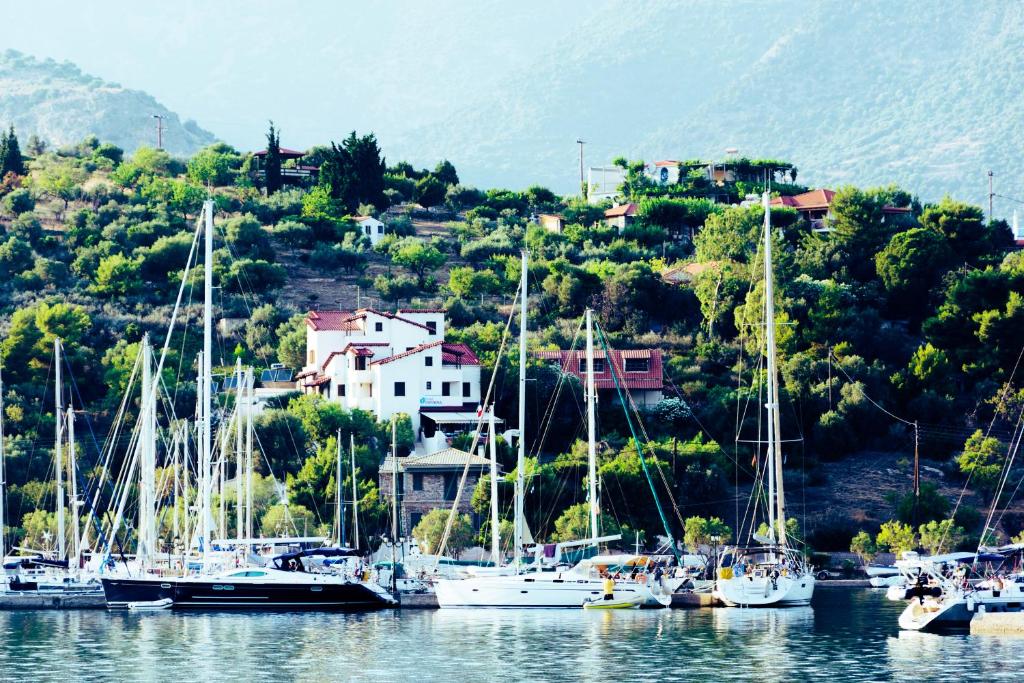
725	573
970	604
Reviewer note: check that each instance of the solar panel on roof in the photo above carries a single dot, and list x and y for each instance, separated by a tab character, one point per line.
276	375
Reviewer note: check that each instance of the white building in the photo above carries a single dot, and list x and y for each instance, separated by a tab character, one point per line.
603	183
389	363
372	228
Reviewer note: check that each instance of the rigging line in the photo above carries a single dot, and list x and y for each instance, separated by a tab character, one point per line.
639	448
552	403
32	450
1004	475
488	400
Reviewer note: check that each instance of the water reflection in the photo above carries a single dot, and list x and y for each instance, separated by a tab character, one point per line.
849	635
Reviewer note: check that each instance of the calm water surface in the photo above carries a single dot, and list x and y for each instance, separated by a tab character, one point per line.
849	635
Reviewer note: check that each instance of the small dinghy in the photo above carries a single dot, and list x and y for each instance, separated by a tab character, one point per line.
150	605
630	602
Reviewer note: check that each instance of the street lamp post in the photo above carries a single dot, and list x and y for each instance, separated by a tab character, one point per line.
714	563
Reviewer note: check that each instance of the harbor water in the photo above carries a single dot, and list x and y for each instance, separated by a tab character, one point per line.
848	635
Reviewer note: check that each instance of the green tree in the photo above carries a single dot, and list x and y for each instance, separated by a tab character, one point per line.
117	275
699	531
445	173
982	461
11	160
61	181
396	288
937	536
18	202
353	172
430	531
896	537
468	283
574	524
429	191
213	165
314	486
418	256
864	546
272	161
290	520
291	346
910	265
247	238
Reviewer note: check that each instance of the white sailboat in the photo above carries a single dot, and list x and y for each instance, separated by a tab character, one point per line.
773	574
537	586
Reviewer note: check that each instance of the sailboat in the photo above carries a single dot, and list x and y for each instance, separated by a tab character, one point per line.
537	586
58	571
773	573
287	582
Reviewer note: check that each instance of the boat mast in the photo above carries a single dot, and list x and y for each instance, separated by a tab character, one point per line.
492	439
355	491
207	379
76	542
239	452
184	486
595	504
776	507
58	446
147	464
521	456
250	388
339	520
394	504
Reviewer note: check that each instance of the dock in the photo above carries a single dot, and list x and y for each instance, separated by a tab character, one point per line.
33	600
418	601
998	624
694	600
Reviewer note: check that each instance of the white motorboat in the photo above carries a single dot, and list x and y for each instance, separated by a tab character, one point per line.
941	597
874	570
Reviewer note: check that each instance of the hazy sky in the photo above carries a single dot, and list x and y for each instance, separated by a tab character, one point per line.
318	68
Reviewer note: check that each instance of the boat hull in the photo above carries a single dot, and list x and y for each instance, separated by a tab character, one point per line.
523	591
955	612
761	591
223	594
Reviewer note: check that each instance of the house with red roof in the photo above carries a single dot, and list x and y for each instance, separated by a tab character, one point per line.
388	363
620	216
639	372
816	207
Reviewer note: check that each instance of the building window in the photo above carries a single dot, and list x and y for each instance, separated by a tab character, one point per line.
428	361
467	389
637	365
446	389
367	229
380	229
598	365
312	356
432	326
451	485
429	386
417	481
414	519
399	388
378	327
360	362
340	391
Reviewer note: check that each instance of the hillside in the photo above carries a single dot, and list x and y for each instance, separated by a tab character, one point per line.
917	94
61	105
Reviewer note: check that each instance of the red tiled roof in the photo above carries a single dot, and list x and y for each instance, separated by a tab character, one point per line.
317	381
896	209
666	162
653	378
360	350
285	152
621	210
808	201
390	316
404	354
458	354
360	219
422	310
304	374
336	321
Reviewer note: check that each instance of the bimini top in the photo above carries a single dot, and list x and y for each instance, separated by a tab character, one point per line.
314	552
33	562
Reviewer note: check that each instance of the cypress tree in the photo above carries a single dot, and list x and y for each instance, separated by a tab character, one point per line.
272	163
10	155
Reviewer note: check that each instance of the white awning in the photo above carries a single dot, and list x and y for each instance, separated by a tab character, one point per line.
457	418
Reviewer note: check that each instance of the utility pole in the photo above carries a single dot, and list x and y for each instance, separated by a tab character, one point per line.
159	130
991	194
583	180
